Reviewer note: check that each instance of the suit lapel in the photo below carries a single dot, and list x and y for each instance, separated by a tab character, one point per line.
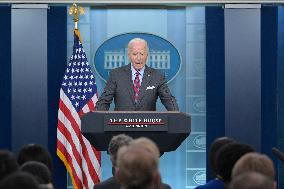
146	79
129	83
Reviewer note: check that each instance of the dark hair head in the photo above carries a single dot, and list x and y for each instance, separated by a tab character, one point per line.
227	156
19	180
8	163
38	170
214	148
35	152
117	142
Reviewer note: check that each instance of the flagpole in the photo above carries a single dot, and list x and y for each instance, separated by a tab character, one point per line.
81	159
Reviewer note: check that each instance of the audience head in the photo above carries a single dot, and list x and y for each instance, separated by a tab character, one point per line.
214	148
254	162
8	163
227	156
137	168
38	170
19	180
35	152
146	143
115	143
251	180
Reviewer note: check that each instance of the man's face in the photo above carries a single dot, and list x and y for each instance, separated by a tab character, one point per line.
137	54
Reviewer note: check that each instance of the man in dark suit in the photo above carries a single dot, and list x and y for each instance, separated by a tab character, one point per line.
115	143
136	87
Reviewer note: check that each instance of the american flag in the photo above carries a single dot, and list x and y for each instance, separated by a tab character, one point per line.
78	95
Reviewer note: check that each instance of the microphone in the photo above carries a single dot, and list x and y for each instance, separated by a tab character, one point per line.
278	154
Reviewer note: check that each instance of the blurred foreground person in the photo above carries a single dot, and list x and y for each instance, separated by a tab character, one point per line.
137	168
19	180
35	152
252	180
40	172
150	146
114	145
255	162
8	163
227	156
214	148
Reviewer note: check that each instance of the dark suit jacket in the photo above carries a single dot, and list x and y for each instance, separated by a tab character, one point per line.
111	183
120	88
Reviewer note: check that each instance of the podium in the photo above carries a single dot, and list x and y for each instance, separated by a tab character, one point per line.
167	129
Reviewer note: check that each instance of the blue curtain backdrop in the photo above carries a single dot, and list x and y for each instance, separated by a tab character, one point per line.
57	50
269	41
215	76
280	90
5	77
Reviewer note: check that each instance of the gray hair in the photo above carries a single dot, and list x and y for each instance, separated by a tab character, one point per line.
251	180
137	168
148	144
136	40
254	162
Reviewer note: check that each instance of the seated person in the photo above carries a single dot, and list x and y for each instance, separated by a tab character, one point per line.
8	163
215	147
19	180
150	146
137	168
35	152
40	172
257	163
251	180
227	156
115	143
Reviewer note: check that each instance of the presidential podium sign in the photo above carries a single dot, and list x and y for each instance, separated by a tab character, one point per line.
167	129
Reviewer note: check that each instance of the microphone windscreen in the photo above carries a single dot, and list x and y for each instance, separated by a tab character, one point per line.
278	154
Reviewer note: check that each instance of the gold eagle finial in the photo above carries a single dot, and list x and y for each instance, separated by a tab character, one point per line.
76	10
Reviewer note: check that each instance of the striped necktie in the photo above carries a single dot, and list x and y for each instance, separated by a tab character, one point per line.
136	86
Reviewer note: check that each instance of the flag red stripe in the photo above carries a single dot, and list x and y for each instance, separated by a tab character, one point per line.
76	154
75	127
63	150
81	113
91	105
85	180
84	148
68	136
92	171
136	90
69	116
97	154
